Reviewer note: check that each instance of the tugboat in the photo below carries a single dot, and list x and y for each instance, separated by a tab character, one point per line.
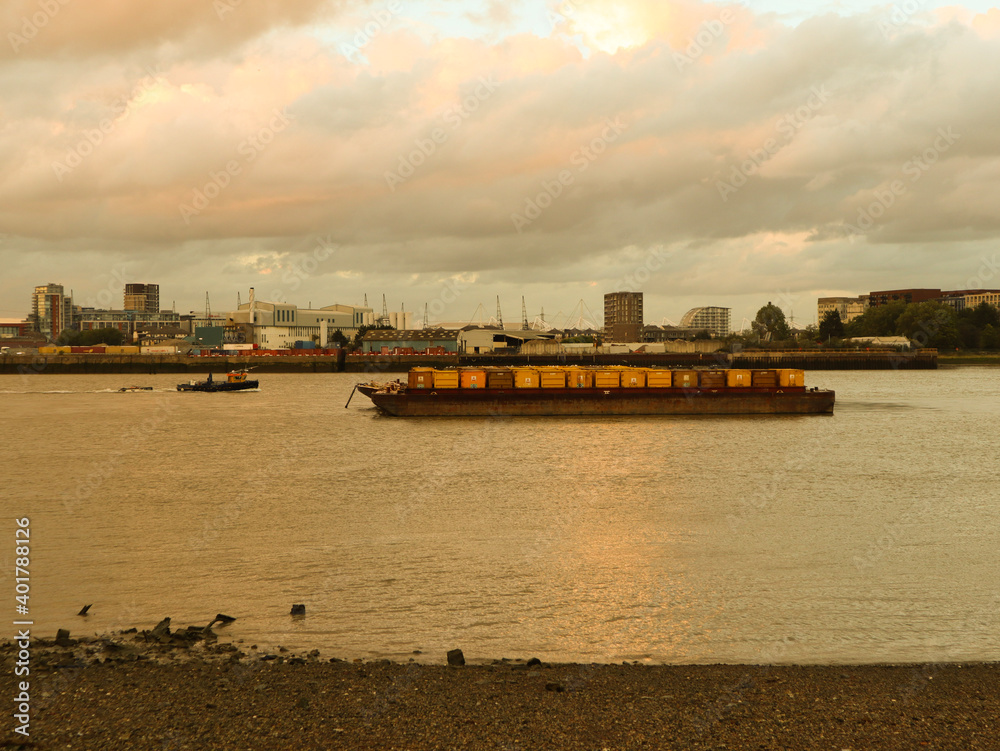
236	380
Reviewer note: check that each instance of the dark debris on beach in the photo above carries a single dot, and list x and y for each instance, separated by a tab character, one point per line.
187	689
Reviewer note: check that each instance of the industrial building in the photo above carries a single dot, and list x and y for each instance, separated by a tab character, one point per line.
409	341
272	325
622	316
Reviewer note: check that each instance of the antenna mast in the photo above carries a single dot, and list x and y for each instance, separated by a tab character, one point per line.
499	317
384	320
524	316
208	308
425	315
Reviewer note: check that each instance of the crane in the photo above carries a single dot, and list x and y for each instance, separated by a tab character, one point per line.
524	316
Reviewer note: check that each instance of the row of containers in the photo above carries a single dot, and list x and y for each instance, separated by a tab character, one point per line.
601	378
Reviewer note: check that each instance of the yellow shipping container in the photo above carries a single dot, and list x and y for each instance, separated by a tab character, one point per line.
525	378
606	379
788	378
552	378
420	378
578	378
659	379
446	379
738	378
634	378
472	378
685	379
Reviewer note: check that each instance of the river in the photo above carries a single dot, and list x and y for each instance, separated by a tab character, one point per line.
869	535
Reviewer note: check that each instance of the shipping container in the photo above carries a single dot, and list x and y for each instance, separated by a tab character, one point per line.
685	379
55	350
525	378
737	378
765	379
712	379
420	378
659	379
472	378
446	379
578	378
552	378
500	378
607	378
788	378
634	378
159	350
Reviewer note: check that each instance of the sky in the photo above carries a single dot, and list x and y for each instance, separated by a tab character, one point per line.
450	152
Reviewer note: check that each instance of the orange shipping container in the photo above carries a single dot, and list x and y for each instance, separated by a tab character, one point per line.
737	378
525	378
578	378
788	378
634	378
471	378
420	378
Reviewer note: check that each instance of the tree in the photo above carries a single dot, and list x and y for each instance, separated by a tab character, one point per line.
930	324
831	326
990	338
770	323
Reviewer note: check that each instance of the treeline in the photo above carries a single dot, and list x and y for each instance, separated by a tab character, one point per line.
928	324
91	338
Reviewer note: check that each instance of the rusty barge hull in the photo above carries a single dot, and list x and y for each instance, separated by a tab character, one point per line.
596	401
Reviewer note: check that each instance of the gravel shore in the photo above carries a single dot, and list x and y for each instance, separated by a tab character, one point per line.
182	691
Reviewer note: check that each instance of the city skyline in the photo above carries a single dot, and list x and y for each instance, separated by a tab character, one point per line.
446	153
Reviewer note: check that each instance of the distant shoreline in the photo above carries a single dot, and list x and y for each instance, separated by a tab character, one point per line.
376	365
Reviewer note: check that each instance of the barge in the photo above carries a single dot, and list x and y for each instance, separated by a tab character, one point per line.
568	391
236	380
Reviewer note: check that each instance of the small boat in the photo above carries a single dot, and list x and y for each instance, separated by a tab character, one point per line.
236	380
135	388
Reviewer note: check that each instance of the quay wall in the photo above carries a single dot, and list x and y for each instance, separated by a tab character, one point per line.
377	364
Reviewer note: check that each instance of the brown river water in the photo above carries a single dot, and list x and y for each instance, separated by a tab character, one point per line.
870	535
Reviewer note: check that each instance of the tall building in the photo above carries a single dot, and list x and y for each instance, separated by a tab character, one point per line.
51	310
143	297
623	316
717	321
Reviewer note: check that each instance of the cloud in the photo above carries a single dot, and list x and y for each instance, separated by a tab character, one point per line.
751	145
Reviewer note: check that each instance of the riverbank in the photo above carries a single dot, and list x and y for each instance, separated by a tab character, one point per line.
181	691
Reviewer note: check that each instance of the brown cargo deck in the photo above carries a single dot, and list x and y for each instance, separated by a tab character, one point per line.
599	401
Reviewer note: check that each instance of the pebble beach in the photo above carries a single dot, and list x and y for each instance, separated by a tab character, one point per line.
191	689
